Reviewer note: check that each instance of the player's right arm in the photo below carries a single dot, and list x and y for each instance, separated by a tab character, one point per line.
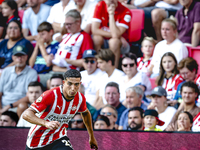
29	115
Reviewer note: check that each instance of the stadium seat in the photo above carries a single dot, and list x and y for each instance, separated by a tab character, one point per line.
21	14
194	52
136	25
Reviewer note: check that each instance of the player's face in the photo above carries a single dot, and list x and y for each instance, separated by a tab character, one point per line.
55	82
90	64
129	67
13	31
147	48
77	122
100	124
110	113
33	93
150	121
72	25
168	64
6	121
135	120
112	95
167	31
188	95
102	64
187	74
184	122
6	10
71	87
132	99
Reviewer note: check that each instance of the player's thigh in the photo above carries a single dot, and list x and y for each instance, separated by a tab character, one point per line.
62	144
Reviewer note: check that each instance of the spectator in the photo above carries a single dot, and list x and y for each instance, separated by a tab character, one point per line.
169	44
133	76
112	97
151	120
184	121
35	89
106	62
159	103
2	25
56	80
189	22
102	123
110	112
90	75
189	92
134	97
135	119
33	16
77	122
73	45
15	79
9	119
143	63
15	37
110	25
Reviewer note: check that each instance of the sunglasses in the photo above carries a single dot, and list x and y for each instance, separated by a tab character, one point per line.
78	121
125	65
106	113
91	61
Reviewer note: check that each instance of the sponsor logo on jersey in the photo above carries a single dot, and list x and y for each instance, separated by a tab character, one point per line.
39	99
74	108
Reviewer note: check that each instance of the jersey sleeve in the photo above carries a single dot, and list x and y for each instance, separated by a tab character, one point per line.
43	101
125	19
87	43
83	106
97	13
178	81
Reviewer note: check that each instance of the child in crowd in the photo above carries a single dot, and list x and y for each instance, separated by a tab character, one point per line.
151	120
102	123
169	77
143	63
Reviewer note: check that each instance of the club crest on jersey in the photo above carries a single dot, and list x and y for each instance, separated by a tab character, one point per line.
74	108
39	99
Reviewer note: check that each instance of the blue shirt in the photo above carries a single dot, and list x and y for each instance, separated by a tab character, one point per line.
40	64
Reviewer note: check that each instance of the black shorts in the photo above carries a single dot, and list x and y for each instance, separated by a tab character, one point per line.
61	144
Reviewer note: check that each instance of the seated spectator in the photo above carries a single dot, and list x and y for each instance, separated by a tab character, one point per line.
184	121
189	92
110	112
56	80
73	45
2	25
135	119
77	122
112	97
15	37
15	79
143	63
134	97
159	103
102	123
169	44
133	76
35	89
33	16
189	22
91	75
151	120
168	77
110	26
9	119
106	62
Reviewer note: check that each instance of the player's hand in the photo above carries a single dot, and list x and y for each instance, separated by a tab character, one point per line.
52	125
93	143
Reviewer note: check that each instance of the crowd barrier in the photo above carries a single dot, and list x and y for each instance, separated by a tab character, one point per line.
15	139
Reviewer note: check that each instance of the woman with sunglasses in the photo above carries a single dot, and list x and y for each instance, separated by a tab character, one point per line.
133	76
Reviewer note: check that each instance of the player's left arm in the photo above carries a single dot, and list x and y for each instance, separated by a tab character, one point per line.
195	34
87	119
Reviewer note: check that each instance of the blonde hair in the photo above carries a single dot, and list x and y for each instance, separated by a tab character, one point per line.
173	21
150	39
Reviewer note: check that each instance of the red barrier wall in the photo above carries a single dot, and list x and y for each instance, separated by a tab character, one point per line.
15	139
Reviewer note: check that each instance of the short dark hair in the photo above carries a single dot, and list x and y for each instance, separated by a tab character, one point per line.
60	76
36	83
106	55
12	115
192	85
72	73
137	109
113	84
189	63
44	26
131	56
104	118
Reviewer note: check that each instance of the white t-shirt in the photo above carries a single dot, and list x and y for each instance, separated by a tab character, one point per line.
166	116
90	83
176	47
31	20
139	2
162	4
23	123
104	80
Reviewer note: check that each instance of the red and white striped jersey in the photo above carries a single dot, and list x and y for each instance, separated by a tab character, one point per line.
143	66
52	106
72	47
171	85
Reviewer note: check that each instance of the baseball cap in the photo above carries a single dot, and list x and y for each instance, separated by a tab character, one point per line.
154	113
159	90
89	53
20	49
